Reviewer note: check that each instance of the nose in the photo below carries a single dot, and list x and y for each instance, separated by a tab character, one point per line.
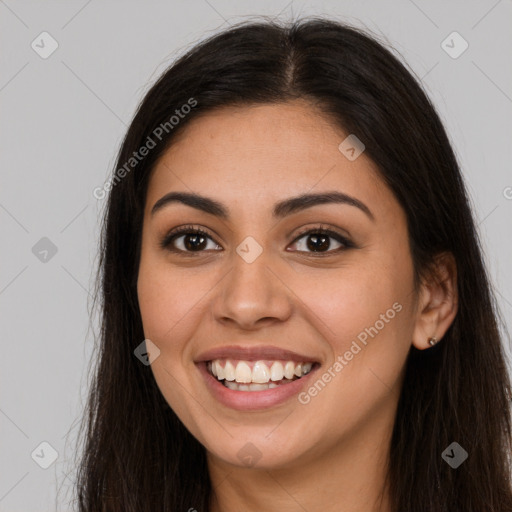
252	295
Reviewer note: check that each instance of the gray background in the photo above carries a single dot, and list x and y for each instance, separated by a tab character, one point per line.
62	122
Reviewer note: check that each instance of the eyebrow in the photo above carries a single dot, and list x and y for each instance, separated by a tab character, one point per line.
281	209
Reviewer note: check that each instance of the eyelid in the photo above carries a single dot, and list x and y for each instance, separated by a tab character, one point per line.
166	241
323	228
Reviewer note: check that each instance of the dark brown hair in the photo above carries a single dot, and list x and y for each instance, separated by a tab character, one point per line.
137	455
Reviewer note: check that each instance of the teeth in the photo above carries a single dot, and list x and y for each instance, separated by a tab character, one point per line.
289	370
241	372
220	370
260	372
276	371
249	387
229	371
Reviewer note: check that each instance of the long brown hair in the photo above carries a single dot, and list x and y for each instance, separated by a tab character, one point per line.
137	455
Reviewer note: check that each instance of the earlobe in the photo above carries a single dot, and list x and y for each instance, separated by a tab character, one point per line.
432	340
437	304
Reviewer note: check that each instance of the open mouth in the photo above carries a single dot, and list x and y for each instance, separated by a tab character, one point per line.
240	375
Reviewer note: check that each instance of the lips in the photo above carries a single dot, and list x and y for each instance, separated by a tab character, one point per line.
245	400
253	354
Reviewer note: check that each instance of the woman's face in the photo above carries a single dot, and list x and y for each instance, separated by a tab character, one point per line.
257	287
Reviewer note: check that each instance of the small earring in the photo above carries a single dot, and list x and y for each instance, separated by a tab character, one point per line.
433	340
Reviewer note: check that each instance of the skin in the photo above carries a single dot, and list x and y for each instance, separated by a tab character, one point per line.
331	453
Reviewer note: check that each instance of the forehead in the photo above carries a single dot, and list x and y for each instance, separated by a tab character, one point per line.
256	155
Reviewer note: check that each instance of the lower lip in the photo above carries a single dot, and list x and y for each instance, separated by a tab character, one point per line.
253	400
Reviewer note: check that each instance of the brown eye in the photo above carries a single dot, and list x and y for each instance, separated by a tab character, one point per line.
319	240
187	239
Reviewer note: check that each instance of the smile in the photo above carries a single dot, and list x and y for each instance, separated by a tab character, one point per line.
242	375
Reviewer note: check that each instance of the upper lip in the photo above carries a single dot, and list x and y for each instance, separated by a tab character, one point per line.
252	354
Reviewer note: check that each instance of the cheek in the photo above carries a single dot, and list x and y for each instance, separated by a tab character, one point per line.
166	299
349	300
166	305
364	314
365	321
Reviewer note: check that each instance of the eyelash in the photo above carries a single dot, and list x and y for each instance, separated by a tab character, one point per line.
166	242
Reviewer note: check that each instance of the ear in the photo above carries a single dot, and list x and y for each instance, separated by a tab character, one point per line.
438	301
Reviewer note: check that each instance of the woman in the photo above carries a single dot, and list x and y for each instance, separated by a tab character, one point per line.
296	315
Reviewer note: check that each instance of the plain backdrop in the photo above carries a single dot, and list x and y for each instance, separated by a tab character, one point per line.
62	120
